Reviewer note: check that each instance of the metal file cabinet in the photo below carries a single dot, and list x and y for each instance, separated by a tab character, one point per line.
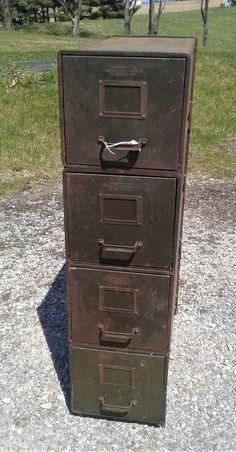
125	108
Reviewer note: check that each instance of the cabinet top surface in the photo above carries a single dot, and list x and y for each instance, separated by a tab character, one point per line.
140	46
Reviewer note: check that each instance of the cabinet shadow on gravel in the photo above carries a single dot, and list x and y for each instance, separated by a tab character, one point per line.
53	317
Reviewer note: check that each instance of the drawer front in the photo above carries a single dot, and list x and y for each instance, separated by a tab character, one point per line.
118	385
120	220
122	99
125	311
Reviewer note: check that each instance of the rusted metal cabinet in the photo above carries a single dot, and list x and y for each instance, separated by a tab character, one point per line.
125	119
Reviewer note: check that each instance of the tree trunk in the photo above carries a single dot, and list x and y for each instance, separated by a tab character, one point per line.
161	6
157	20
127	19
205	35
157	24
154	21
43	14
6	14
76	19
151	17
20	19
204	12
55	13
127	28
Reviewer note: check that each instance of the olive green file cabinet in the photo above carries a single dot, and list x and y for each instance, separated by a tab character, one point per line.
125	113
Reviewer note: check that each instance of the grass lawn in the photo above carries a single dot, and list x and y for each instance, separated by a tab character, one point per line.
29	140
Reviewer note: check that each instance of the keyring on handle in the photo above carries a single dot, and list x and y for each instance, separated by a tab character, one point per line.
133	144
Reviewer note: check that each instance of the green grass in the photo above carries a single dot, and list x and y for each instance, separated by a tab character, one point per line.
42	41
29	140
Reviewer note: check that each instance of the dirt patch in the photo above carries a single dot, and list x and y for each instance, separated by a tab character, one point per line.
178	6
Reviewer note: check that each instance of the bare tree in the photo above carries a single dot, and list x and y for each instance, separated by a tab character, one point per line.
73	8
204	12
6	14
76	18
130	9
151	16
154	20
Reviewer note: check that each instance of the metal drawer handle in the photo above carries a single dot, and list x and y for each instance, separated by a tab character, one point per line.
115	408
112	336
133	145
120	249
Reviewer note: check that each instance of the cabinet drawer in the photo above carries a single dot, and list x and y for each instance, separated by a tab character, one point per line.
118	385
125	311
120	220
122	99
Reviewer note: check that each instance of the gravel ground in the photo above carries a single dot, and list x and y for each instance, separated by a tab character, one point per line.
34	378
34	65
38	65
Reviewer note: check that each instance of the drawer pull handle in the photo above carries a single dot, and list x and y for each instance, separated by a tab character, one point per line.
131	145
116	409
112	336
120	249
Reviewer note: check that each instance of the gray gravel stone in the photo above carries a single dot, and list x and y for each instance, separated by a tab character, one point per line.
34	65
34	364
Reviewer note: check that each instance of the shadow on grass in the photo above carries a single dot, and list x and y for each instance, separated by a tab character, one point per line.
87	34
56	29
53	317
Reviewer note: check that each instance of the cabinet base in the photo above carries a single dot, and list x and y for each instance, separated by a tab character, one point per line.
118	386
